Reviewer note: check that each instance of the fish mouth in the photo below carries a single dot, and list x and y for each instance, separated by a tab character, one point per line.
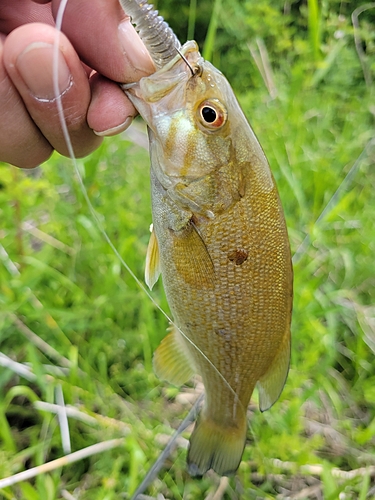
165	78
145	94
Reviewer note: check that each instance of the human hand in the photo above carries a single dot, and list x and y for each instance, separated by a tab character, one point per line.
96	33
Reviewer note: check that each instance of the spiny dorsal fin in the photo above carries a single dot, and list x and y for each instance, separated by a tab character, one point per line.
152	271
171	359
272	382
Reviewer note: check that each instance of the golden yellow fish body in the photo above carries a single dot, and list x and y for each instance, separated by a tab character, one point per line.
220	242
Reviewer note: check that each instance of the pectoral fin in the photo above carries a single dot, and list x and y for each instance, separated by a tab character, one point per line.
192	259
171	359
272	382
152	271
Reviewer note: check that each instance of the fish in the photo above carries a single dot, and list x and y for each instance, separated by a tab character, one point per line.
219	241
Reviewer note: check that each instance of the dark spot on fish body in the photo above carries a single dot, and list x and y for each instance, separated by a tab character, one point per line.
238	256
242	187
224	334
190	325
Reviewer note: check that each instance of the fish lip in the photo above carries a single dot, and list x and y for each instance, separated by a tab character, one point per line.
146	92
189	47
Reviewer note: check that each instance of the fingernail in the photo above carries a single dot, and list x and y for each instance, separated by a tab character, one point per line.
134	50
115	130
35	65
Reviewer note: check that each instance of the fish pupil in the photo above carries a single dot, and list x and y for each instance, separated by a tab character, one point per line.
209	114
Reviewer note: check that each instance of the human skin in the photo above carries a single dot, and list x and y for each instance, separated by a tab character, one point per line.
98	48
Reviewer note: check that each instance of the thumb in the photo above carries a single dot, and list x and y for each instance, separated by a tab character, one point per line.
105	39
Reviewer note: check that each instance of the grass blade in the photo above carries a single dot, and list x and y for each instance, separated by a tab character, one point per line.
211	33
61	462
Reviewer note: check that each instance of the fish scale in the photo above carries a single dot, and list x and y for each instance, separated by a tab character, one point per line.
220	243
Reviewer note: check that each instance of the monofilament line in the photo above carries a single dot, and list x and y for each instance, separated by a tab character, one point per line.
155	469
301	250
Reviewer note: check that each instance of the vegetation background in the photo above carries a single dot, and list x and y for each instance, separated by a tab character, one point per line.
75	328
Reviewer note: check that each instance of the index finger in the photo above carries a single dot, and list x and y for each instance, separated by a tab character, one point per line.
105	39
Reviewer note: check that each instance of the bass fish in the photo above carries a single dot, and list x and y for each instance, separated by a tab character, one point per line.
220	243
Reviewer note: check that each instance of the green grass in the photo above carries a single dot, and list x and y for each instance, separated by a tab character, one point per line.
71	291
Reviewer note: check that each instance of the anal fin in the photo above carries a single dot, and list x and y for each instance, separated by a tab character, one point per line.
171	359
272	382
152	270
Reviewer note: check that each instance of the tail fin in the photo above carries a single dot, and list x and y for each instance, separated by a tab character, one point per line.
213	446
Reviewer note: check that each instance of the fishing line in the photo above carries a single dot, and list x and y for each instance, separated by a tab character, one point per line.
155	469
94	214
332	202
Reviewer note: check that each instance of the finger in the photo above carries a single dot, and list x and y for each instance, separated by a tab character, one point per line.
105	39
14	14
22	143
28	59
110	111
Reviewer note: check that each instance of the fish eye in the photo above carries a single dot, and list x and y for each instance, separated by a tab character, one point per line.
212	114
209	114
